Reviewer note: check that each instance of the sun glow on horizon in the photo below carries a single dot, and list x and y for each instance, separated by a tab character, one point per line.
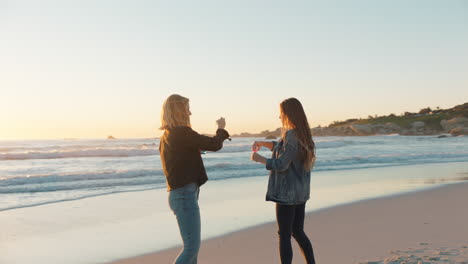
90	70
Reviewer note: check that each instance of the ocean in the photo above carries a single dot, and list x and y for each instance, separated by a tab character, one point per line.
34	173
95	201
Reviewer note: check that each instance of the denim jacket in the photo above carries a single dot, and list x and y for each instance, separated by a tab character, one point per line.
289	182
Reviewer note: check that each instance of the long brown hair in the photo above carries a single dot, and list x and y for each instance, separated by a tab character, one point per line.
294	117
174	112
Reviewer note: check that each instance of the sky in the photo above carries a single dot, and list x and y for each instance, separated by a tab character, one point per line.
93	68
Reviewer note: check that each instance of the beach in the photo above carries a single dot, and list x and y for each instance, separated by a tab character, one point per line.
98	201
108	105
428	226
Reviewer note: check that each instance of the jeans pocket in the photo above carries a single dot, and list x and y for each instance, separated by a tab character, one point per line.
191	198
184	198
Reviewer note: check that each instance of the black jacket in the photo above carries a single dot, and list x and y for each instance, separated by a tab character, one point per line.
180	148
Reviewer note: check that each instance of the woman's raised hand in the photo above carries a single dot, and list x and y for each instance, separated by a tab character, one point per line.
256	146
221	123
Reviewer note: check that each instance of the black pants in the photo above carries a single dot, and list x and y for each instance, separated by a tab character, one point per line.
290	220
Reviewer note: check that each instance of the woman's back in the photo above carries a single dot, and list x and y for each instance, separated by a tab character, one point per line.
180	155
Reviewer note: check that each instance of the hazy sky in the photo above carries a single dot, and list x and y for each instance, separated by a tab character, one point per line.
93	68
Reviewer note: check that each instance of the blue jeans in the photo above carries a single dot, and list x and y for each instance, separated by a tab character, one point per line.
184	203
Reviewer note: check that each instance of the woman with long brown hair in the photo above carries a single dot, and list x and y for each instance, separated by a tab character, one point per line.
289	181
182	164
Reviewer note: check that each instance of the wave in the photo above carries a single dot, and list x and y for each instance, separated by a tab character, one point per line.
88	185
34	190
134	150
69	177
86	151
372	161
117	152
230	166
319	144
333	143
76	181
235	149
108	179
223	170
78	147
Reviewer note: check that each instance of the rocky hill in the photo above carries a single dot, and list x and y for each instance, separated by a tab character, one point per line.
427	121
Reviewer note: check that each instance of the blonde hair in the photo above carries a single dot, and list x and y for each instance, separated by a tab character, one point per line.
174	112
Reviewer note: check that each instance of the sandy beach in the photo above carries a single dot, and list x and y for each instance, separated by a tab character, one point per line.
347	223
427	226
108	105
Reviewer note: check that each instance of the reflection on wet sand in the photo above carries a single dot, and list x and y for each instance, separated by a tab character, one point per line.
463	177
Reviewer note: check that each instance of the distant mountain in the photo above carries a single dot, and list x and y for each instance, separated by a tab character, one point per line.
427	121
266	133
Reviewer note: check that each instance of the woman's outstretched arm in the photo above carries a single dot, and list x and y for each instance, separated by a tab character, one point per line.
281	163
215	143
267	144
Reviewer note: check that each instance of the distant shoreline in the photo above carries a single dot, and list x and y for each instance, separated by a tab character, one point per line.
426	122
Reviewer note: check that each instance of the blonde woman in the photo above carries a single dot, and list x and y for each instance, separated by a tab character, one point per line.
183	167
289	182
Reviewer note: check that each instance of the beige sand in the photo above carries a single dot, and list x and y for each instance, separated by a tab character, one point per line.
423	227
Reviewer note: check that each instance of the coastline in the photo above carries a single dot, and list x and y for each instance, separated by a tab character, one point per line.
376	229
